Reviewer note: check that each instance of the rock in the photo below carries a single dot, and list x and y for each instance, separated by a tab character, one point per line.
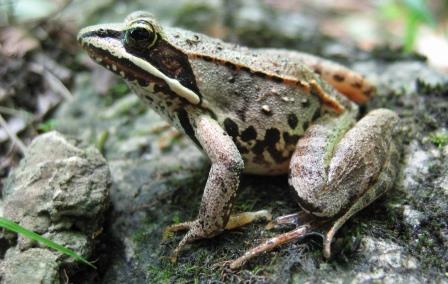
60	191
387	259
36	265
58	186
411	216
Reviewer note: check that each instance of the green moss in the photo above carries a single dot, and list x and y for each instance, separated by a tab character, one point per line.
161	273
47	125
439	139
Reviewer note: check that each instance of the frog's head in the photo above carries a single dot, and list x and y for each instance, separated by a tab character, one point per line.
138	51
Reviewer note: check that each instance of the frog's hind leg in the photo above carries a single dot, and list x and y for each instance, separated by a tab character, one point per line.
385	180
337	173
348	82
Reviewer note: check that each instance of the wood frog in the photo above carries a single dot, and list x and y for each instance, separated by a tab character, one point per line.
257	111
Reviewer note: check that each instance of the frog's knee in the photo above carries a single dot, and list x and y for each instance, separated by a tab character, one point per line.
309	183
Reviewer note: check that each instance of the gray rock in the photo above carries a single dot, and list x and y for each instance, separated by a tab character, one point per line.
60	191
411	216
58	186
36	265
386	258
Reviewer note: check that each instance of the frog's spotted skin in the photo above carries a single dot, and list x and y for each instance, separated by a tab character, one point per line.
260	111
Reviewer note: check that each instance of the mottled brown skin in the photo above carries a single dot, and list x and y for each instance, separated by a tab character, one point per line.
260	111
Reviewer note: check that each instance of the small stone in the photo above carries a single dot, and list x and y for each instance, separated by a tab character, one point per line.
36	265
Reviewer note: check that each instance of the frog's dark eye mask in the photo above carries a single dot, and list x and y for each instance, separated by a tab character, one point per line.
108	45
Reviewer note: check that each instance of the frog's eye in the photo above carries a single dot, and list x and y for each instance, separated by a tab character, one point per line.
140	36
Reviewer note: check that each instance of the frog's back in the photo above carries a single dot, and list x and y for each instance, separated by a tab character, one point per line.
288	65
274	62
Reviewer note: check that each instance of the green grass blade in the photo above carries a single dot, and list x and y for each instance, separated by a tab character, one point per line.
9	225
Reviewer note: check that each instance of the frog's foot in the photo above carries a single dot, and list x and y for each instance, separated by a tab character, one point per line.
245	218
195	231
270	245
306	225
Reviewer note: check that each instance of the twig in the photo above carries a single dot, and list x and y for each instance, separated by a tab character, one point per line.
53	81
15	112
12	135
57	85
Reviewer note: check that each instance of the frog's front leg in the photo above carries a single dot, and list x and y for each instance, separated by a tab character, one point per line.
221	186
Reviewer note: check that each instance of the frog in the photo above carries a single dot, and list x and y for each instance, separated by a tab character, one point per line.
259	111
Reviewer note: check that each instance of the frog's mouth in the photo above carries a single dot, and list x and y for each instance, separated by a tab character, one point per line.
104	44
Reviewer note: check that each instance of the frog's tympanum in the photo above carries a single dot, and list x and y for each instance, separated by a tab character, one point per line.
257	111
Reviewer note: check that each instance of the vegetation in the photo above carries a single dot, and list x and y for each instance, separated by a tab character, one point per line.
11	226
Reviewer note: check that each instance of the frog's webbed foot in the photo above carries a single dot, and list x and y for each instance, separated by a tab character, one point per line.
195	231
306	225
270	244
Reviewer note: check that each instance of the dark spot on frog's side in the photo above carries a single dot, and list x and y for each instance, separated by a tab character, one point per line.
292	120
290	139
270	145
305	103
249	134
242	149
272	136
231	127
164	89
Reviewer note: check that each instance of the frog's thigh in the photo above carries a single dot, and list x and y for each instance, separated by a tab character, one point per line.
348	82
337	174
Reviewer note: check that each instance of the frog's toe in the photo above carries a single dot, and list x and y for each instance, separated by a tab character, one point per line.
178	227
270	244
195	232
